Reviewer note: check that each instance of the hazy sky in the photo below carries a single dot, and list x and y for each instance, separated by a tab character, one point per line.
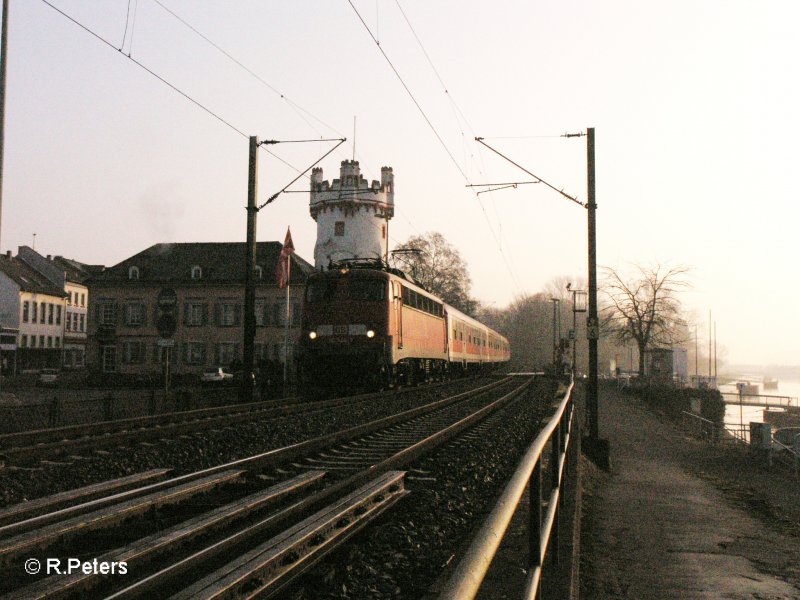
695	105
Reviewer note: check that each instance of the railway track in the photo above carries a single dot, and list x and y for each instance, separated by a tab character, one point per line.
27	447
278	512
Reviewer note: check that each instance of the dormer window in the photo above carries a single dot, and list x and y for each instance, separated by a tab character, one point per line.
197	272
133	273
259	272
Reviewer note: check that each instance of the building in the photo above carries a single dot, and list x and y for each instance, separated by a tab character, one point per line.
69	275
352	215
33	307
204	282
667	366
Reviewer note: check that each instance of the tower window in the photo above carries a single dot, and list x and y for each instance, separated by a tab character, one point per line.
133	273
338	228
197	272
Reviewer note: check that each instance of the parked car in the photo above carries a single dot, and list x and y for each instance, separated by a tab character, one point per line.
48	377
217	375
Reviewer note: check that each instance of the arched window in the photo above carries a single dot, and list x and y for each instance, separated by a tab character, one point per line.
259	272
197	272
133	273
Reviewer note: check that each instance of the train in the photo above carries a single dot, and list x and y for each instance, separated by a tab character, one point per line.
367	324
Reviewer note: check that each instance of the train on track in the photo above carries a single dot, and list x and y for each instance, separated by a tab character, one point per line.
364	323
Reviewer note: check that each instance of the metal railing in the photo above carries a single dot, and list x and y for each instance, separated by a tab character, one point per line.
789	455
544	515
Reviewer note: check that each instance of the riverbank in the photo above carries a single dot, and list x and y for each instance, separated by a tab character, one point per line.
679	518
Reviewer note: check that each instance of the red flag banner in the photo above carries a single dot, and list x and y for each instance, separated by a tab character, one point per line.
282	271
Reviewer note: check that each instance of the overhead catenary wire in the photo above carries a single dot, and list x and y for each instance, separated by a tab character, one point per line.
296	107
165	81
430	124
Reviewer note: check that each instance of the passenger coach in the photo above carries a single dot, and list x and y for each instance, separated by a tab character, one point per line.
374	326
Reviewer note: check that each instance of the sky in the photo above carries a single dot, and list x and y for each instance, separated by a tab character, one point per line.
695	106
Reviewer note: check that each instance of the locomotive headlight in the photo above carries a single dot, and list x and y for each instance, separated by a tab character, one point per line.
370	333
312	335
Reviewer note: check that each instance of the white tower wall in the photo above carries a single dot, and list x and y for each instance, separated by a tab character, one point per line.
352	215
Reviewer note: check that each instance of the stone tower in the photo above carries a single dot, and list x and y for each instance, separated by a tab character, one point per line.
352	216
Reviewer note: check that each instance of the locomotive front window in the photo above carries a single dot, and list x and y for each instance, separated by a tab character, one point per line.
320	291
369	290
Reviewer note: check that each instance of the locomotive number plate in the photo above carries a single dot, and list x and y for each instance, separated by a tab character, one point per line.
340	330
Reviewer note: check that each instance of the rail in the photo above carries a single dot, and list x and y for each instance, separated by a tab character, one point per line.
789	455
544	516
769	400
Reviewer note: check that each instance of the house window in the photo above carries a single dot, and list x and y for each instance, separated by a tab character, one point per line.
338	228
259	272
25	312
134	314
58	315
42	312
109	359
197	272
68	322
33	341
194	314
83	299
159	355
261	314
133	273
133	352
23	341
383	232
58	342
34	314
195	353
229	314
79	357
226	353
41	341
50	311
83	323
108	313
49	341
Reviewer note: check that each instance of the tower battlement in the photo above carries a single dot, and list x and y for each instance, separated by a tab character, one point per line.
352	213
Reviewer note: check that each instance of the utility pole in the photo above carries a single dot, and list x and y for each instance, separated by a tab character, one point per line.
3	64
249	281
593	324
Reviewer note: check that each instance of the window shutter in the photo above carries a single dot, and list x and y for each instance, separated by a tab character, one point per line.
205	313
185	313
143	312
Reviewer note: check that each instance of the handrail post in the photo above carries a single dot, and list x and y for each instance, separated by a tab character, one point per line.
554	484
535	526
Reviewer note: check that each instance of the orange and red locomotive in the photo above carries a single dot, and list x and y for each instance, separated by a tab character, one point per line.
365	323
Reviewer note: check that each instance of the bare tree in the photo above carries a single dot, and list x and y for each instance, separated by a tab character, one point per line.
438	266
645	309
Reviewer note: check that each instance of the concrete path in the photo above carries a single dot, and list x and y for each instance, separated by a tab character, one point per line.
653	529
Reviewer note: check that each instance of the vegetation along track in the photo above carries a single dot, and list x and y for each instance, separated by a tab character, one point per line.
192	521
28	447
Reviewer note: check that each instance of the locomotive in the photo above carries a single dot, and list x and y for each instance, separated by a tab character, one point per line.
365	323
